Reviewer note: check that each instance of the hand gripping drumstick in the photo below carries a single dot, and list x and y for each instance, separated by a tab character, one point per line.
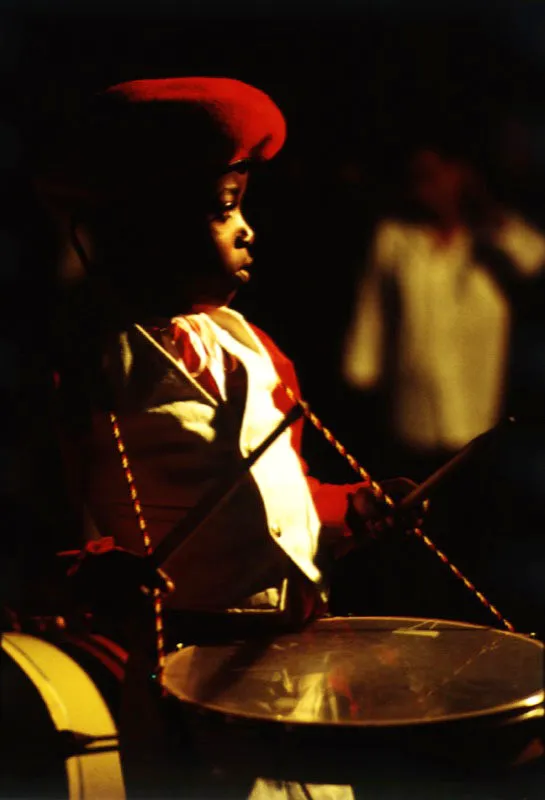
211	503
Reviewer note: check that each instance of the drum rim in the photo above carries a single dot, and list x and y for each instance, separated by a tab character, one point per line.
523	705
456	623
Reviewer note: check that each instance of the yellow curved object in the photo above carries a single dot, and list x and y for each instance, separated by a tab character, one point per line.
76	706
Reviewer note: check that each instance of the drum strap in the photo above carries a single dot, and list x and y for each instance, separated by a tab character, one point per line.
142	525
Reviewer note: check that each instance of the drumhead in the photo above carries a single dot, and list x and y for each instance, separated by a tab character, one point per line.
365	672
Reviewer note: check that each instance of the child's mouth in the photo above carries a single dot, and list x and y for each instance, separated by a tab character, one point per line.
243	275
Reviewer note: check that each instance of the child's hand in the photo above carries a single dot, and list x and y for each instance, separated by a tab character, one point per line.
365	511
106	575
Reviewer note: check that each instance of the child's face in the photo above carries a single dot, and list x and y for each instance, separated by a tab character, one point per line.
205	266
232	238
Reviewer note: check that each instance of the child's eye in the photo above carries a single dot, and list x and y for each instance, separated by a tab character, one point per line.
226	201
224	209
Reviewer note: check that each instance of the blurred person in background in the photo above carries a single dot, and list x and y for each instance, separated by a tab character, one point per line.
431	324
428	361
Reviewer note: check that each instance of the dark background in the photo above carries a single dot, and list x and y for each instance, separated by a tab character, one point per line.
355	82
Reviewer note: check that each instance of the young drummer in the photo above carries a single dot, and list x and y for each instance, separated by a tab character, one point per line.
155	247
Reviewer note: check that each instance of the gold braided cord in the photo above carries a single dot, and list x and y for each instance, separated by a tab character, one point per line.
382	497
148	549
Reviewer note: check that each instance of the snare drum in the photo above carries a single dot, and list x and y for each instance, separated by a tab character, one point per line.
59	732
346	697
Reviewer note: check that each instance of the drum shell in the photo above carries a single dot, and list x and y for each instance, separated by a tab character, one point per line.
59	732
503	746
317	754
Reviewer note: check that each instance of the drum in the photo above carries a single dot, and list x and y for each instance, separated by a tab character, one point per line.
59	737
354	698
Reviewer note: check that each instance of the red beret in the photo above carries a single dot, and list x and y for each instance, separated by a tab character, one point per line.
144	132
245	115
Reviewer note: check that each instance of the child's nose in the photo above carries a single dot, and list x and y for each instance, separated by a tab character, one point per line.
246	236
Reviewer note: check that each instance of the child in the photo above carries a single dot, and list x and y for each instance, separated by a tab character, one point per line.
149	203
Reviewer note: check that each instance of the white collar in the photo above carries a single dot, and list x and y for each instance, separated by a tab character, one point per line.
235	324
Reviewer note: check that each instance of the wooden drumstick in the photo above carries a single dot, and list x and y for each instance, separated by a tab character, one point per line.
211	503
434	481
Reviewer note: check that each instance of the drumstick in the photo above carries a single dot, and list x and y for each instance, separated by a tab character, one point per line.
211	503
427	487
